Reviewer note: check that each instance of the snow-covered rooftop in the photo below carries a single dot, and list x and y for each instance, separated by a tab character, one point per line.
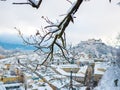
100	68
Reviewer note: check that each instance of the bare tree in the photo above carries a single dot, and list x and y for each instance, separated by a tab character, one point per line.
53	35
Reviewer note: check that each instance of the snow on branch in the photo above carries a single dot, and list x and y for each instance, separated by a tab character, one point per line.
53	35
34	3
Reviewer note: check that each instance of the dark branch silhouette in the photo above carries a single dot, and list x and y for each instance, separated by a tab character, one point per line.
54	35
30	2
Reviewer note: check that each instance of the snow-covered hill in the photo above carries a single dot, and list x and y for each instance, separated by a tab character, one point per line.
96	48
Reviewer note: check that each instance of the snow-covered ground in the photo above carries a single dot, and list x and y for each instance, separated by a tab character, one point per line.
58	76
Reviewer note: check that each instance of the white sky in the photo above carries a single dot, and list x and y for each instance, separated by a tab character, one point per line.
95	19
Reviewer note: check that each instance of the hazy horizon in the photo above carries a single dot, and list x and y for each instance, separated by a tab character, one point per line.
97	19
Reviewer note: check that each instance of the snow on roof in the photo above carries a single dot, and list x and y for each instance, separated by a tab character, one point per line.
47	87
59	83
69	66
68	74
59	76
82	88
86	60
7	59
48	78
11	85
100	68
83	70
27	74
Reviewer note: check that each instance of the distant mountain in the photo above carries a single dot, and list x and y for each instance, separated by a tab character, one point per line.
95	47
12	46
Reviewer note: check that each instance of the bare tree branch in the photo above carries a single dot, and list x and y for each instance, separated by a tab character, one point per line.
22	3
54	34
30	2
69	2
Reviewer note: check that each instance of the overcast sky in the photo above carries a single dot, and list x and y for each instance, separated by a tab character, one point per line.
95	19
